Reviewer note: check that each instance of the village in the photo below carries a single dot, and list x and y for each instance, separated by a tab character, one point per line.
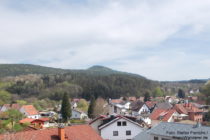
126	118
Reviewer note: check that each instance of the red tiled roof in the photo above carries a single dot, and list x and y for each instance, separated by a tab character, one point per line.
156	113
116	101
191	108
30	110
12	106
180	109
26	120
165	114
168	115
15	106
77	132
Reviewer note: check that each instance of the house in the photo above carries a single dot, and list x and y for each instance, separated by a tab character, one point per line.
73	105
76	132
120	127
194	113
163	105
26	121
138	107
118	106
182	111
6	107
36	123
47	113
76	114
30	111
175	131
151	105
40	123
97	122
190	111
159	115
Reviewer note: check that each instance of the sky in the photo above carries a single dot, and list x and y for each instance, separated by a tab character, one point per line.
159	39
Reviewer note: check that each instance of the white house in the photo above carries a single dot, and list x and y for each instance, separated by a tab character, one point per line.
139	107
76	114
120	128
118	106
29	111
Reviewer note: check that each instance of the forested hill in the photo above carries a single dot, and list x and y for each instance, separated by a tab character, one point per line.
23	69
51	82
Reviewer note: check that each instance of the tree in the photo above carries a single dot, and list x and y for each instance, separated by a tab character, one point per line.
82	105
65	108
5	97
147	96
206	93
181	94
100	107
91	107
14	116
158	92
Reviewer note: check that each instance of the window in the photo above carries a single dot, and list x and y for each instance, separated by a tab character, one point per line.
115	133
124	123
118	123
115	109
165	139
128	133
155	138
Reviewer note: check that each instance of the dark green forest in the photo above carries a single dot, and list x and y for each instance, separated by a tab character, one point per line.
26	81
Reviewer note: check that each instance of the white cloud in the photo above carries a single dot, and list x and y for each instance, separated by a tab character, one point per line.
80	34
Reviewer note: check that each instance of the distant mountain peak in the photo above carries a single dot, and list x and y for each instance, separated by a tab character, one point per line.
99	68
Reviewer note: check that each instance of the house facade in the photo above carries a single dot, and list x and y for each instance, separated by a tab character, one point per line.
120	128
76	114
29	111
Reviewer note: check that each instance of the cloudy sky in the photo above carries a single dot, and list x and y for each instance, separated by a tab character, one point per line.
159	39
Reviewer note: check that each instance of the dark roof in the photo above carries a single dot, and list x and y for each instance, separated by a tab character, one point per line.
164	105
113	118
163	129
135	106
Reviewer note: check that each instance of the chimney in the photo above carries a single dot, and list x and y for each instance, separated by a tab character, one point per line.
61	132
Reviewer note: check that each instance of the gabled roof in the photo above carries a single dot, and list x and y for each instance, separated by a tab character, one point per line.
180	109
137	105
99	117
156	113
77	132
12	106
191	108
26	120
116	101
162	114
150	104
164	105
113	119
163	129
168	115
30	109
